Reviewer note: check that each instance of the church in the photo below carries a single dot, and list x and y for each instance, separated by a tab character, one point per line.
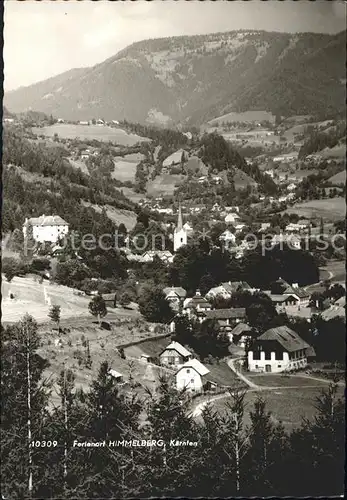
180	233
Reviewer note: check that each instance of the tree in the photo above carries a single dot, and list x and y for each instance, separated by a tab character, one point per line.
154	306
97	307
54	314
125	299
10	268
24	394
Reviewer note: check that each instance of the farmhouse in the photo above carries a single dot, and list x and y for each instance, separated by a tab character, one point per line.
336	310
118	377
291	240
191	376
282	300
231	218
48	228
196	305
163	255
227	317
300	293
228	238
219	291
277	350
237	286
240	334
175	296
174	354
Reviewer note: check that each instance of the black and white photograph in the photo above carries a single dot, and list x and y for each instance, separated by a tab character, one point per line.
173	280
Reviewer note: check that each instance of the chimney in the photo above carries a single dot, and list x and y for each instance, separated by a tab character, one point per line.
197	293
295	285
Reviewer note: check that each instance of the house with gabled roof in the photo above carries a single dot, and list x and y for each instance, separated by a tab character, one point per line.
240	334
48	228
175	295
278	349
227	318
174	354
196	306
191	376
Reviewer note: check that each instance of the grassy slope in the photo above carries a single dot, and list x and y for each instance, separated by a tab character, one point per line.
331	209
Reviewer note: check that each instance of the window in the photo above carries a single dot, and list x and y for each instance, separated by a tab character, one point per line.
192	381
256	354
267	355
279	355
279	366
188	370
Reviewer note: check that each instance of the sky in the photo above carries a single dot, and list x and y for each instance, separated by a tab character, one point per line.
45	38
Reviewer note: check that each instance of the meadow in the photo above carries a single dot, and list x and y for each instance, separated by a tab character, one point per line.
287	406
331	210
117	215
125	167
164	184
35	298
247	116
100	133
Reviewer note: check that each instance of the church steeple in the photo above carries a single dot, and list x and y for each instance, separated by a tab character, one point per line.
179	219
180	233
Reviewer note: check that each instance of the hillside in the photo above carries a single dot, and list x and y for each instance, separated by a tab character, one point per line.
194	79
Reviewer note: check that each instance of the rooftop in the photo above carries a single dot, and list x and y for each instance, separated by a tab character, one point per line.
197	366
236	312
289	339
47	220
176	346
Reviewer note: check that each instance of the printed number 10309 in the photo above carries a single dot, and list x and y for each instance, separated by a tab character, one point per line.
43	444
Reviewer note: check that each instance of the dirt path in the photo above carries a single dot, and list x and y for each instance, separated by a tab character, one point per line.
318	379
231	364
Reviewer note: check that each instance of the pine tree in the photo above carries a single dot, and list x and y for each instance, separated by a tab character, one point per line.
54	314
23	395
97	307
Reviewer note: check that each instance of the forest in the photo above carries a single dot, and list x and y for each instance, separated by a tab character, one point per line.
39	459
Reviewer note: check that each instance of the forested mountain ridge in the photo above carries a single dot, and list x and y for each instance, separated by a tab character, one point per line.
194	79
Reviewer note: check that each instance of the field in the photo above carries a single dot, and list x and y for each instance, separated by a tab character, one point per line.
100	133
338	151
331	210
288	406
339	178
103	347
117	215
132	195
36	299
125	167
164	184
242	180
247	116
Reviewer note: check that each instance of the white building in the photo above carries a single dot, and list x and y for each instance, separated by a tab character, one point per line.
231	218
278	349
228	238
191	375
180	233
48	228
